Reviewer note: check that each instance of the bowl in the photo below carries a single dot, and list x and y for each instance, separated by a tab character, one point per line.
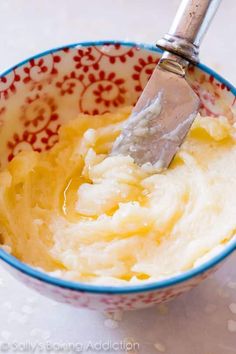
43	92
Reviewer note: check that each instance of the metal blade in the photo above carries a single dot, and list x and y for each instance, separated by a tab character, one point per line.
160	120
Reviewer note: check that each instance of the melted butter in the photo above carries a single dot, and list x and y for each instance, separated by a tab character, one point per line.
142	276
69	197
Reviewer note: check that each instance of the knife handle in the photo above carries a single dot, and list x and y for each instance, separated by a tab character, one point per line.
188	28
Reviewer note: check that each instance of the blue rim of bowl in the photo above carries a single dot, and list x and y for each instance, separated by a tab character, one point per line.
104	289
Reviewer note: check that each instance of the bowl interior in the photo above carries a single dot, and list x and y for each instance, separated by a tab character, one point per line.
40	94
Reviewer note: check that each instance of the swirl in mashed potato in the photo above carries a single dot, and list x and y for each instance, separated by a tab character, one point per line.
81	214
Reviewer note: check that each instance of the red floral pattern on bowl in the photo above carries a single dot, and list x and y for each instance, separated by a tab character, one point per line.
42	93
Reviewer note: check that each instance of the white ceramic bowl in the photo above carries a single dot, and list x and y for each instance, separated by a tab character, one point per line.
43	92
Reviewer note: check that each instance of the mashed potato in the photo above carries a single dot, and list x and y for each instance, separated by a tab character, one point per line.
81	214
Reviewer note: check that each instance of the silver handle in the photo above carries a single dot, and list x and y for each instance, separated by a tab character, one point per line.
189	26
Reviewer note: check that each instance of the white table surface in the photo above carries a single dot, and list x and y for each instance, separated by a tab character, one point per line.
202	321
